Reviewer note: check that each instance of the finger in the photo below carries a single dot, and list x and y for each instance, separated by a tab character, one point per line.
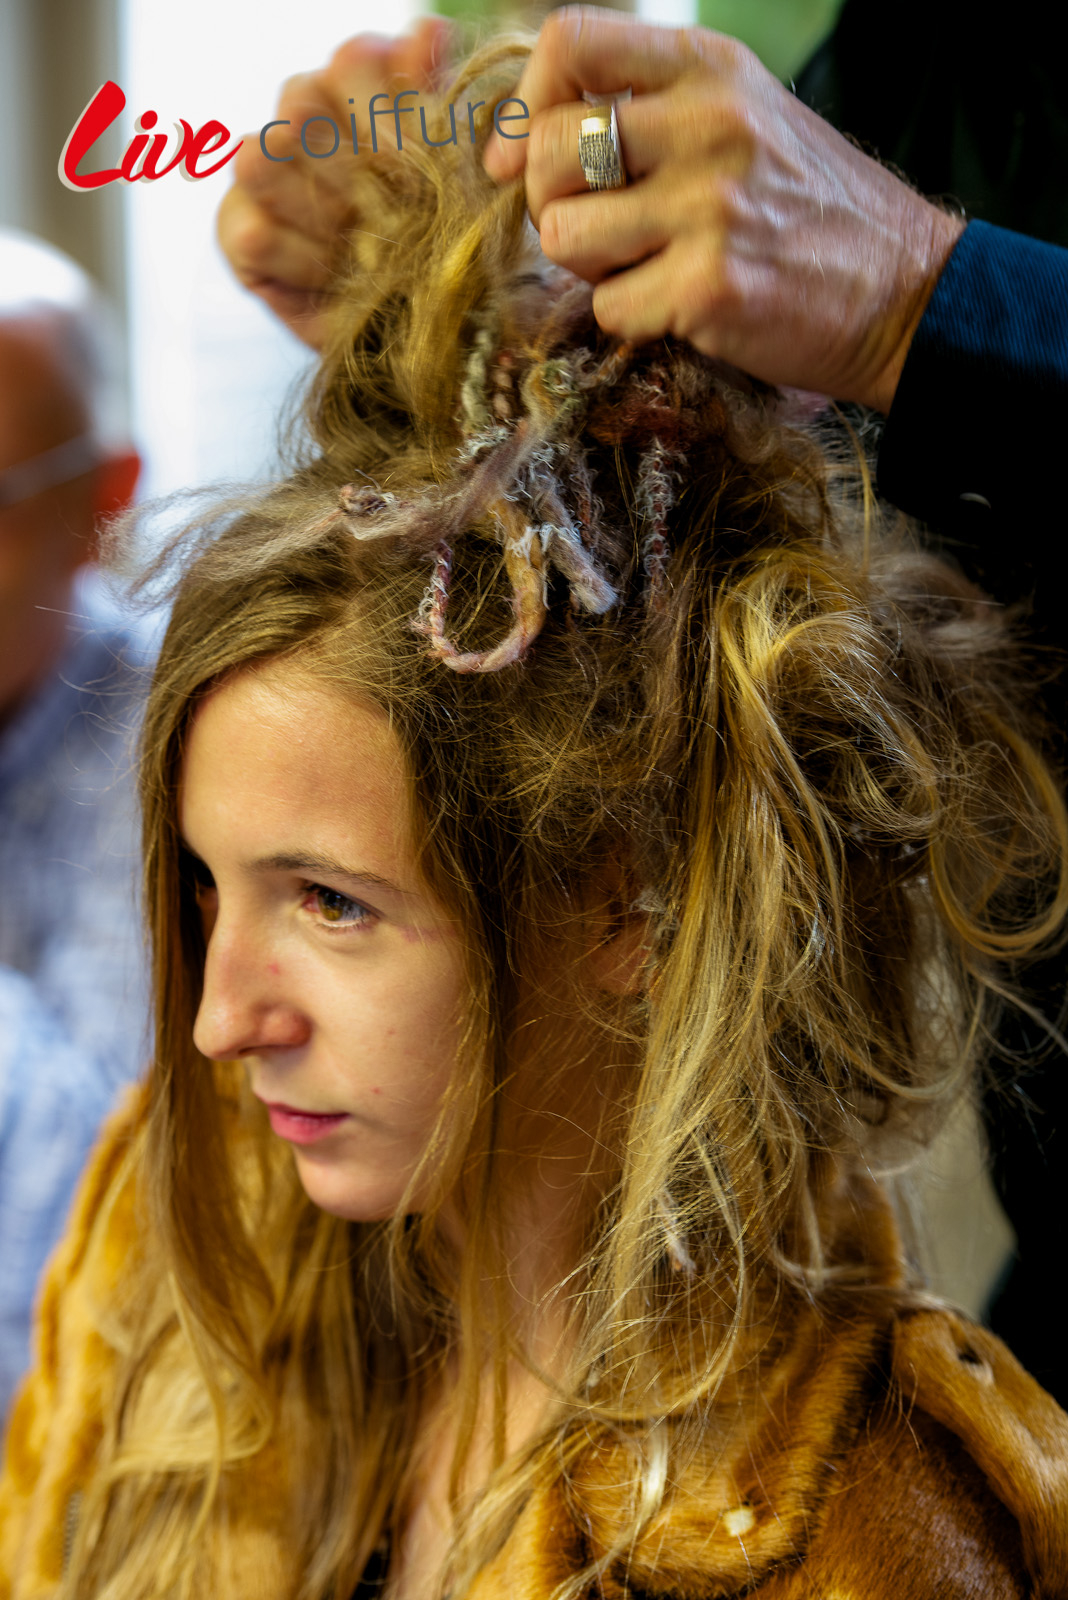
683	291
372	63
653	130
297	196
635	305
699	134
318	128
553	165
318	131
355	63
305	94
367	69
604	52
305	314
597	233
423	55
264	160
258	247
371	60
295	188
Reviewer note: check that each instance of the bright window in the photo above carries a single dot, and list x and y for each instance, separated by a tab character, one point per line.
210	368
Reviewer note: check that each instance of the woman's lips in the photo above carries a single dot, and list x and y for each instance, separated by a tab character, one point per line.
303	1127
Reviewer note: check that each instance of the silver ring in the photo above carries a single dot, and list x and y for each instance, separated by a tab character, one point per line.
599	151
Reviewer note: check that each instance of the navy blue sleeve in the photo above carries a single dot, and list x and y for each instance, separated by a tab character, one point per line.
980	419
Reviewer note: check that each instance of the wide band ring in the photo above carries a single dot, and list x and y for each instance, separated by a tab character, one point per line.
599	150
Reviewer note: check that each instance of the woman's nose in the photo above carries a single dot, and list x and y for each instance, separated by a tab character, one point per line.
243	1007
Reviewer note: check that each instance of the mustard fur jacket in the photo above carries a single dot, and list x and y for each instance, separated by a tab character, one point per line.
901	1454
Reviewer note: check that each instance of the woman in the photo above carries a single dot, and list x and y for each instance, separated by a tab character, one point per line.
583	843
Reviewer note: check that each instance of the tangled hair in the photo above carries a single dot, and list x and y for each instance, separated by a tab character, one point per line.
620	606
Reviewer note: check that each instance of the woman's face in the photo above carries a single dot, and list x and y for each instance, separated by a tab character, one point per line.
331	971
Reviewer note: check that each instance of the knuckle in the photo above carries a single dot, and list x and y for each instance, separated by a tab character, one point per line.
345	59
611	307
248	161
708	299
726	53
712	201
735	125
293	87
557	228
712	273
249	240
563	29
354	65
729	202
353	53
732	52
563	26
718	127
301	95
552	41
541	142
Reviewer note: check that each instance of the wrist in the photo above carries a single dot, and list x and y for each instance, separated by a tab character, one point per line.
933	237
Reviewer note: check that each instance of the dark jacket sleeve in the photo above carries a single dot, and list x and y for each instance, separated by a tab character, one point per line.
975	441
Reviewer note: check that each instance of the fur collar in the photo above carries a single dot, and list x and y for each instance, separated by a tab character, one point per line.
885	1450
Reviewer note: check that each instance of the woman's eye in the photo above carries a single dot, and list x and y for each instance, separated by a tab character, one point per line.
337	908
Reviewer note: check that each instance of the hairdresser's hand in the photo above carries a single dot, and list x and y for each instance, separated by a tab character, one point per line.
749	226
283	222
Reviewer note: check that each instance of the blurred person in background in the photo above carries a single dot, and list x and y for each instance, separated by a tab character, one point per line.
753	228
72	1003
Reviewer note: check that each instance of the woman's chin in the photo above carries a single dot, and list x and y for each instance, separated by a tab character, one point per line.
357	1196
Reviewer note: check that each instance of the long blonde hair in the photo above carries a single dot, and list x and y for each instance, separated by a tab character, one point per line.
619	605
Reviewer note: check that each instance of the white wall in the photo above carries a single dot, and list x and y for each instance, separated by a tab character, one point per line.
210	367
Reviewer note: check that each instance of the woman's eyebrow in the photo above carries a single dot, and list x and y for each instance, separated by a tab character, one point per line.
313	865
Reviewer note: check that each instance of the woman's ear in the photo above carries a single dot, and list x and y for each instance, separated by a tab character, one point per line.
620	938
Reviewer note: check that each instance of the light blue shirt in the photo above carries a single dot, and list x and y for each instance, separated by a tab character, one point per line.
73	995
